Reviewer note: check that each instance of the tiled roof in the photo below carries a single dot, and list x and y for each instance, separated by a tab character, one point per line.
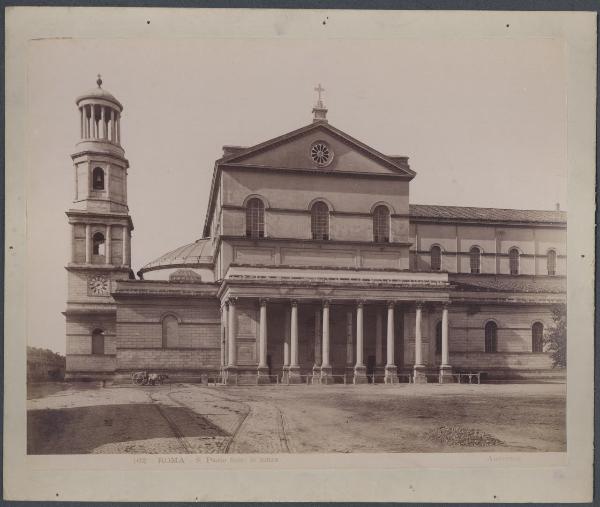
490	214
198	253
508	283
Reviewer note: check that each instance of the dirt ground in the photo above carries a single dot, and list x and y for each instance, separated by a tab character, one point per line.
77	418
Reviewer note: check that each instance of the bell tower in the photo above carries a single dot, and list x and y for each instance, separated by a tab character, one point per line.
100	236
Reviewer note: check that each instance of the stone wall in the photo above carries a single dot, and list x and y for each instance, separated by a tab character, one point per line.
455	241
194	345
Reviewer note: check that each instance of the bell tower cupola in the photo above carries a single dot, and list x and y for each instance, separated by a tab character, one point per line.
101	167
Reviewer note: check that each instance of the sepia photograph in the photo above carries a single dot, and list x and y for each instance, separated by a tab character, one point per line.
255	245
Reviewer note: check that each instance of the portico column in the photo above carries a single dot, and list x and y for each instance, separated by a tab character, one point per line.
286	340
445	368
88	244
294	370
391	376
263	369
232	345
317	362
224	315
419	374
326	366
378	337
360	371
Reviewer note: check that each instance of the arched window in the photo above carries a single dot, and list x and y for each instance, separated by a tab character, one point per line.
513	261
551	259
98	244
436	258
98	178
381	224
98	342
319	220
475	260
438	338
255	218
491	337
170	331
537	337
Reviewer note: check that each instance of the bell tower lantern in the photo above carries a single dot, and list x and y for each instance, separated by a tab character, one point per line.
100	235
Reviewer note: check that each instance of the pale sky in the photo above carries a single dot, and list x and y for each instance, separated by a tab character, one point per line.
482	120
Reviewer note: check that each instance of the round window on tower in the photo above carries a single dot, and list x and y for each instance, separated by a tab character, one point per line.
321	153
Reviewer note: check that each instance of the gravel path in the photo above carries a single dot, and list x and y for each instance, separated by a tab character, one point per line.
190	418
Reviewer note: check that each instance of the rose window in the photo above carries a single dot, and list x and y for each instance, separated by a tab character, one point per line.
321	154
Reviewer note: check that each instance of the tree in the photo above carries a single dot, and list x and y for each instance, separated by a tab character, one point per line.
555	338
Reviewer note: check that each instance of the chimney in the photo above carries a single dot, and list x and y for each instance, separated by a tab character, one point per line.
232	150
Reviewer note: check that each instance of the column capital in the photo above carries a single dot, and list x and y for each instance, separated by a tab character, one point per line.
263	301
446	304
391	304
419	305
294	302
326	303
360	303
231	301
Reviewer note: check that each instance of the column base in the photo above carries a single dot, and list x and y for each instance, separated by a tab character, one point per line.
316	374
294	375
360	374
419	376
262	373
391	374
230	377
326	377
446	376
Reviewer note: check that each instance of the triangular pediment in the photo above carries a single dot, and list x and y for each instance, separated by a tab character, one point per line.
302	149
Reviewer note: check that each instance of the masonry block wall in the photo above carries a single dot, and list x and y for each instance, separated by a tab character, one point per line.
456	240
172	334
467	336
81	360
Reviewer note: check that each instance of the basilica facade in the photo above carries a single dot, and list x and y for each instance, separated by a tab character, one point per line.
313	266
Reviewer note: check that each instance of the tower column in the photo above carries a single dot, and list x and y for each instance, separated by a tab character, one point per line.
103	120
391	376
326	366
112	125
125	245
88	243
118	125
94	124
81	130
108	256
419	373
360	371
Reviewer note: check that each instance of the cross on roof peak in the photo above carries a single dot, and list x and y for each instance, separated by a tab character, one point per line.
99	81
319	89
319	111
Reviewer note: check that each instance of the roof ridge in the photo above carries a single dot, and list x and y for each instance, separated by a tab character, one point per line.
487	207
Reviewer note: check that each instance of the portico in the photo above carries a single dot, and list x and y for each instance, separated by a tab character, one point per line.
329	327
